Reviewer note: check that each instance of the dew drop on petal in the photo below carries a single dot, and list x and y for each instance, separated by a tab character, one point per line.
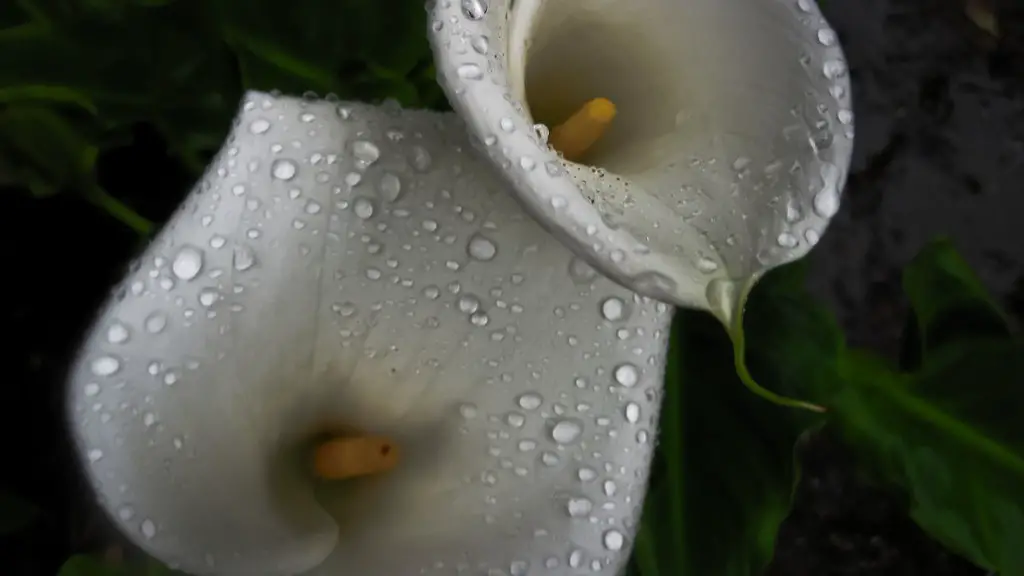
283	169
481	248
626	375
566	431
105	366
613	540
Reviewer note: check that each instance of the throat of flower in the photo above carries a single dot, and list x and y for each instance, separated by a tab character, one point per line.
584	128
346	457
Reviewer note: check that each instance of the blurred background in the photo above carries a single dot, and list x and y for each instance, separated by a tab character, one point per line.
110	109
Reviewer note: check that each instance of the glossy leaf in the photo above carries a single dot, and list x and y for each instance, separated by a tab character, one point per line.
725	468
951	437
949	303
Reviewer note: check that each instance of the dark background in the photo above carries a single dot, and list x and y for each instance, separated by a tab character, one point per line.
939	150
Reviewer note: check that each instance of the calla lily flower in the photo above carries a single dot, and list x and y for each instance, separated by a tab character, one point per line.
356	272
729	146
362	346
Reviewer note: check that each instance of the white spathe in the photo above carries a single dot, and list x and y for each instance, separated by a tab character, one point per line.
359	266
727	157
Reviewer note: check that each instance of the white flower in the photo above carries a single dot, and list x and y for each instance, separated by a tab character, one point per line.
365	273
726	158
352	268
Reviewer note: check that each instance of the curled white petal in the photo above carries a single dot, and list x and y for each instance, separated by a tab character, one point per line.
729	151
361	267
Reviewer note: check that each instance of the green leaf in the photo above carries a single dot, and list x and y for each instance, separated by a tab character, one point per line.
47	152
949	303
724	470
86	565
326	47
951	437
15	513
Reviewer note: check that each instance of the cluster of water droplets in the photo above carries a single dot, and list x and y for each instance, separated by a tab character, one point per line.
375	245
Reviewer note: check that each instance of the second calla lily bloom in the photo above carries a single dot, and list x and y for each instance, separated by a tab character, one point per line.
727	153
357	272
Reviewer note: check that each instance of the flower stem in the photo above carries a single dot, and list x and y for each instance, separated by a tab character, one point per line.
739	347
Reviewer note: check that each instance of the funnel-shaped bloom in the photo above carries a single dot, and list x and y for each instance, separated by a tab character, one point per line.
726	157
355	268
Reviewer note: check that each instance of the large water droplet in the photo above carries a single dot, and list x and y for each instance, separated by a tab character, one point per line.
474	9
363	208
283	169
481	248
530	401
105	366
613	540
117	333
470	72
632	412
188	262
626	375
566	431
390	187
367	152
613	309
579	507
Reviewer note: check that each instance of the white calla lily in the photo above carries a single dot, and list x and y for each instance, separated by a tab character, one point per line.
728	153
349	267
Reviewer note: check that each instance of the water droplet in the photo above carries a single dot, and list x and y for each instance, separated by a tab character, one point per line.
786	240
421	159
95	455
468	411
506	124
827	37
707	265
470	72
481	248
390	187
188	262
363	208
480	44
530	401
117	333
632	412
580	507
613	540
155	322
367	152
474	9
613	309
566	431
833	69
826	201
243	258
627	375
283	169
148	529
469	304
259	126
105	366
91	389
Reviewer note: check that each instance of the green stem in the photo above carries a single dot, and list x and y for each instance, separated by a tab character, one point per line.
739	359
119	210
